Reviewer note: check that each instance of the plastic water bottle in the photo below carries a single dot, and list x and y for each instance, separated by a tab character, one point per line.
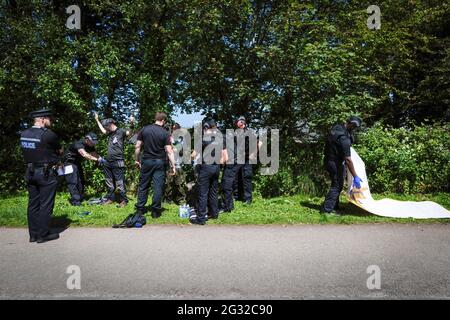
181	211
184	211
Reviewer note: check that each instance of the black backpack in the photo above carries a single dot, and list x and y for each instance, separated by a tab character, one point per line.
131	221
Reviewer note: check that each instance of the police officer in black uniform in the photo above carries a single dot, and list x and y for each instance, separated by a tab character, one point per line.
77	151
337	154
234	169
208	173
114	167
41	151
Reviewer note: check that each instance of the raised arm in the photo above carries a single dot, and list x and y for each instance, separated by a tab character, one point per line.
130	131
103	130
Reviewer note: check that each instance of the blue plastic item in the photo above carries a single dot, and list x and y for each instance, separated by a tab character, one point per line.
357	182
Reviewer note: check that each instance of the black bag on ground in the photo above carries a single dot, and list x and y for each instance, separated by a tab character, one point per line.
133	220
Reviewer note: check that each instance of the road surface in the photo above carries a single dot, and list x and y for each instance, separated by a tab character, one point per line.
230	262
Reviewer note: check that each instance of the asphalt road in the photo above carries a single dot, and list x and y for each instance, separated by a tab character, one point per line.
229	262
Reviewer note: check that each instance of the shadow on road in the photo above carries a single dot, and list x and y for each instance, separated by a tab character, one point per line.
60	224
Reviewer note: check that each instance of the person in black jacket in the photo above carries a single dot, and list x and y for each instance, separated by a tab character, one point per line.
41	151
337	155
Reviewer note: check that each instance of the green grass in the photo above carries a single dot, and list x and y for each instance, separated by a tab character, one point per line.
299	209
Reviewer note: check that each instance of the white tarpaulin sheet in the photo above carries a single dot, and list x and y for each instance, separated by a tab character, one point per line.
388	207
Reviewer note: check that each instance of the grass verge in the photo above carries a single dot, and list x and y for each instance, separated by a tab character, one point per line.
299	209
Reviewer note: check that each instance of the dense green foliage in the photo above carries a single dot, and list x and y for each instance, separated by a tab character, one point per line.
407	161
294	65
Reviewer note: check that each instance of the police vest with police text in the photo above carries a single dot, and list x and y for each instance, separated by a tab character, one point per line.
35	149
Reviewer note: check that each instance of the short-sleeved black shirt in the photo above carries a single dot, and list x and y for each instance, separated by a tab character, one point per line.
116	141
338	143
72	154
154	138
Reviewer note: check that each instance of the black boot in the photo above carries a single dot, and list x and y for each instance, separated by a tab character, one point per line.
48	237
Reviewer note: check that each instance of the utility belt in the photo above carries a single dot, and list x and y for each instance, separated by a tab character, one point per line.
43	167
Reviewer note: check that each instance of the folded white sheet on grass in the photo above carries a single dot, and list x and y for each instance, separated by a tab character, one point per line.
388	207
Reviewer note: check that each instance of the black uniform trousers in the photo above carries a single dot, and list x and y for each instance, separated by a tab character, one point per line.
208	185
336	169
42	188
152	171
75	183
115	179
230	178
237	192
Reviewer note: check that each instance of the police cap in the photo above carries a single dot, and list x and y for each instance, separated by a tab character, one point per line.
41	113
92	136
